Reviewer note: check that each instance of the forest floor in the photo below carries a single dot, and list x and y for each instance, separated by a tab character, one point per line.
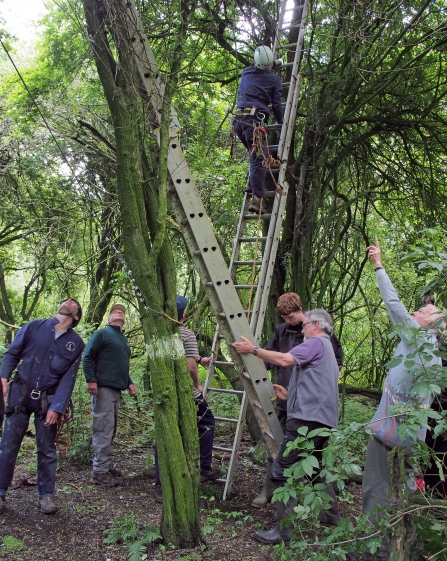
77	531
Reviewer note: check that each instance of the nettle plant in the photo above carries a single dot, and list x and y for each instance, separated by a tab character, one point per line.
414	522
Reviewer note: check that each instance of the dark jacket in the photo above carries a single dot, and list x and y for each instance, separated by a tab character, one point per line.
284	338
260	88
2	406
46	361
106	359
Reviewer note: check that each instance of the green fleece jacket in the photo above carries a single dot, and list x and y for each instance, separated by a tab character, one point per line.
106	359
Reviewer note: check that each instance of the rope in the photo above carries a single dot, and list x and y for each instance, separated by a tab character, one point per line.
65	419
259	141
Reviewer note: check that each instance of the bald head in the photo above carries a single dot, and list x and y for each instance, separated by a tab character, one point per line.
427	315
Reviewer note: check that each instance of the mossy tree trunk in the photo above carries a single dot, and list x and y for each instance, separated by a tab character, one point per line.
148	254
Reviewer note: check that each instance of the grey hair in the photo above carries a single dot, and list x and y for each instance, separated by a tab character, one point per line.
324	319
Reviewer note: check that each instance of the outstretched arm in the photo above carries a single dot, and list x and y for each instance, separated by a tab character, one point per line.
398	312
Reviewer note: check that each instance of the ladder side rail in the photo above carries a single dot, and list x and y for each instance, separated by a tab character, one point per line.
282	14
236	444
239	234
273	237
265	276
223	298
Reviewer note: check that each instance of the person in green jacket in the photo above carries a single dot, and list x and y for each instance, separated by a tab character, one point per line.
106	370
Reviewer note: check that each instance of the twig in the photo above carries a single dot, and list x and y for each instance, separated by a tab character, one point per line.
77	488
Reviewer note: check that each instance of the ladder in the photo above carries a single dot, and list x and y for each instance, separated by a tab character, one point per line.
265	266
201	240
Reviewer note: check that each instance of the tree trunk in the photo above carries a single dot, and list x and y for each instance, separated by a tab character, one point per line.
174	408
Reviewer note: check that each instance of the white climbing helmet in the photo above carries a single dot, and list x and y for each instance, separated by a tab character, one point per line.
263	57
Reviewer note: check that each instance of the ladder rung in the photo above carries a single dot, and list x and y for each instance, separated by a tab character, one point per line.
274	147
222	449
239	263
288	46
260	239
223	362
244	286
265	216
267	195
273	127
222	390
225	420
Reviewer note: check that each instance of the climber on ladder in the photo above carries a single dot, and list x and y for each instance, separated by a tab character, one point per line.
259	87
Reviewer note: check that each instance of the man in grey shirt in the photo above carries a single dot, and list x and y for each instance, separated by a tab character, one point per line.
312	402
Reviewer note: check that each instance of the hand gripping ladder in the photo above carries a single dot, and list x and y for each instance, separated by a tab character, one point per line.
202	242
264	267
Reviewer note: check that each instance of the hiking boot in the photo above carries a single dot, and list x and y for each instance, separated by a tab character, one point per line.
209	474
47	505
158	495
115	471
2	504
103	479
256	205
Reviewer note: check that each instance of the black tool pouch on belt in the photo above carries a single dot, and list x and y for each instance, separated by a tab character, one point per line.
20	394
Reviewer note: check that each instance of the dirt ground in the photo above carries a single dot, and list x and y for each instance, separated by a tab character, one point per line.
76	531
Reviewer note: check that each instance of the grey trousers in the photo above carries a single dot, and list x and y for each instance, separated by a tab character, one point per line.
105	407
375	485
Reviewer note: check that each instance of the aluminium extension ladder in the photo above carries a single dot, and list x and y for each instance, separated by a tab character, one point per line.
201	240
265	266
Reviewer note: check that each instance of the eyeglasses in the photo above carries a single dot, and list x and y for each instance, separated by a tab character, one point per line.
307	323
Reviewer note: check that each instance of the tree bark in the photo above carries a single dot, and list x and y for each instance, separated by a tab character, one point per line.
154	274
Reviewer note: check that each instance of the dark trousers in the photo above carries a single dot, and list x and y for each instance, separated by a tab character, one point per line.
205	426
244	127
16	425
281	463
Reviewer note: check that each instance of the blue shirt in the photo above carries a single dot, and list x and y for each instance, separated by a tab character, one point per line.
260	88
45	360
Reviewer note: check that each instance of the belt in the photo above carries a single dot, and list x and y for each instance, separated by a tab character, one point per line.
246	110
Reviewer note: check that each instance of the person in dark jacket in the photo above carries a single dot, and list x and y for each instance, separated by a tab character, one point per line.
106	370
259	87
286	336
49	353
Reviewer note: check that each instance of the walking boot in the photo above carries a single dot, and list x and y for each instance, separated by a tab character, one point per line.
103	479
47	505
331	516
256	205
280	533
2	504
266	494
209	474
115	472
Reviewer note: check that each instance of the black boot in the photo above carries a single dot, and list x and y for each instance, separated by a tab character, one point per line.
267	491
331	516
279	533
